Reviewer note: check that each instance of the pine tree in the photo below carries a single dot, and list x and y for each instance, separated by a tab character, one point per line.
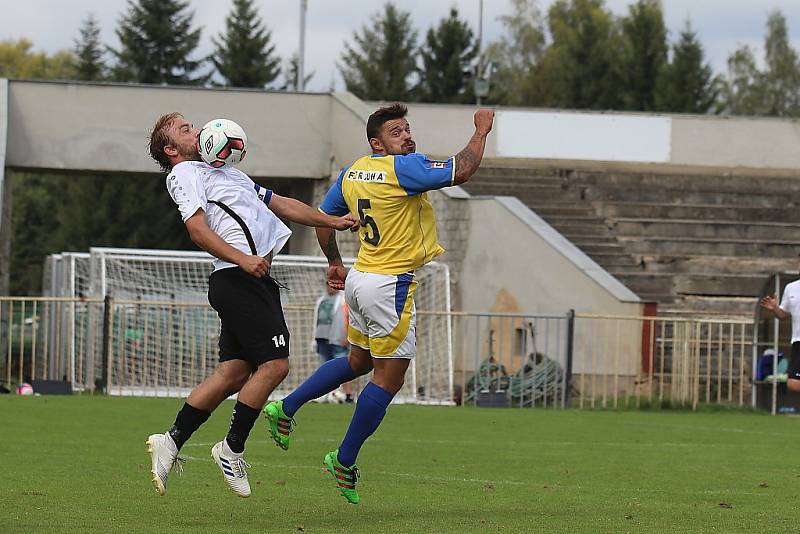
381	62
244	56
447	55
582	67
89	52
645	53
687	84
517	56
156	44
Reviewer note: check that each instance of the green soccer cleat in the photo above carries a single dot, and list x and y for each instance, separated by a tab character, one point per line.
280	424
345	476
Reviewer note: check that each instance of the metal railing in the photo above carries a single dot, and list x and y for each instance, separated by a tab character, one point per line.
488	359
627	360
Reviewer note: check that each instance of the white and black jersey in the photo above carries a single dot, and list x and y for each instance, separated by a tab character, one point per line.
194	185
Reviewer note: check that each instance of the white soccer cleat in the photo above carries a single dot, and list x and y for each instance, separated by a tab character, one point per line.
234	468
163	457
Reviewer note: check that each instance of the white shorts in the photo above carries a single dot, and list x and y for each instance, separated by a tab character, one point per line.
382	313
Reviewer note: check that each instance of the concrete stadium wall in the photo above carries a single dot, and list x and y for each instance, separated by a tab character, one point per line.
104	127
690	140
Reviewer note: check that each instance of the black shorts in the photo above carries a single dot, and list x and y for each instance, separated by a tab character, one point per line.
794	363
253	326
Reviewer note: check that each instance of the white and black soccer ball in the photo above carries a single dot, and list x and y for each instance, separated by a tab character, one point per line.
222	143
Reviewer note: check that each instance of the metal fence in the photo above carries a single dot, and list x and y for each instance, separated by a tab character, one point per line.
623	361
487	359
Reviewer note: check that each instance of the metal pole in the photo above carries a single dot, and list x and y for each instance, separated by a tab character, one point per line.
570	345
480	48
776	328
301	54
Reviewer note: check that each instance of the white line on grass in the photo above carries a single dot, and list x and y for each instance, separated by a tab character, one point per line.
387	473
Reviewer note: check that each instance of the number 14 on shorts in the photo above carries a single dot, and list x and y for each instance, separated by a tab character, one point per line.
279	341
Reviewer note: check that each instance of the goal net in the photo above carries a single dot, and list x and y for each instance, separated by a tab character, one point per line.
161	335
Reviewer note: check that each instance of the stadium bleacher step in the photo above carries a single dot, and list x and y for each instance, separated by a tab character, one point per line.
707	212
688	240
711	246
745	230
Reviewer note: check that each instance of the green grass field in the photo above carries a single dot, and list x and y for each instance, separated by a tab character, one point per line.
78	464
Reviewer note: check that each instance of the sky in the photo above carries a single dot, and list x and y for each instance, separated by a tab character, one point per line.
722	25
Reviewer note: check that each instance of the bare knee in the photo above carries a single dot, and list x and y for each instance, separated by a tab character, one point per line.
793	384
392	384
360	361
277	369
233	377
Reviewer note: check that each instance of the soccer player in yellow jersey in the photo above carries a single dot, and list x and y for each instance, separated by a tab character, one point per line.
398	235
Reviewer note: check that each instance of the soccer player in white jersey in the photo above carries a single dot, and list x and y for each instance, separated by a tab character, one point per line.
236	221
789	307
398	234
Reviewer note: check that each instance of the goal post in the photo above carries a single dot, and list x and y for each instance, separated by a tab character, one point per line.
162	337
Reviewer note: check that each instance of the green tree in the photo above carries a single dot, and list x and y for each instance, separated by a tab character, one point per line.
447	55
156	44
782	76
687	83
89	51
582	65
774	91
18	60
34	220
244	56
291	75
518	80
382	61
645	53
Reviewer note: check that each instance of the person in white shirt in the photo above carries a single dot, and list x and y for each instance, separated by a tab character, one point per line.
789	307
235	220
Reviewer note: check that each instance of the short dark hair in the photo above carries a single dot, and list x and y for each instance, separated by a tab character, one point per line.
159	138
383	115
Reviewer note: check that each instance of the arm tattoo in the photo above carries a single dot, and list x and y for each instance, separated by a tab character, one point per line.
331	250
466	162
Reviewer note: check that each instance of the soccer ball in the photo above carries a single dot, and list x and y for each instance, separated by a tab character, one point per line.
25	389
222	143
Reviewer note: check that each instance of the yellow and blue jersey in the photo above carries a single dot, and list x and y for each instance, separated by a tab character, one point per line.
398	232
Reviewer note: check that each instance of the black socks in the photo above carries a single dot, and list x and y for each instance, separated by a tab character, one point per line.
242	421
187	421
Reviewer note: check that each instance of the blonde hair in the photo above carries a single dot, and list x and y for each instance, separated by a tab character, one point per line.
159	138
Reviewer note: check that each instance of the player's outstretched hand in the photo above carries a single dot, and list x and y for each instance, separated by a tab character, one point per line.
769	302
254	265
336	276
484	118
348	221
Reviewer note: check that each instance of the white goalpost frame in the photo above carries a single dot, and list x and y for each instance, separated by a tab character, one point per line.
102	282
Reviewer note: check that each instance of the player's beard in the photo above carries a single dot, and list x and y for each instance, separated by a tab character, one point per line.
189	152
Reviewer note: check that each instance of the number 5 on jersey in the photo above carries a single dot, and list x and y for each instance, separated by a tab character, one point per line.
367	220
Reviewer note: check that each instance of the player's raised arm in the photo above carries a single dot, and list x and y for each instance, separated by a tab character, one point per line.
296	211
469	159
